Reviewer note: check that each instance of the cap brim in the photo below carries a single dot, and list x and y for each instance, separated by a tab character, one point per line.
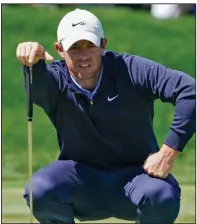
81	35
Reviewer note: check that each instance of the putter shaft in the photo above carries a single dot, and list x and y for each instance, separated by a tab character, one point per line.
30	170
29	78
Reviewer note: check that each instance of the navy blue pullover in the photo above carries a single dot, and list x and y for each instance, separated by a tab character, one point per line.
115	128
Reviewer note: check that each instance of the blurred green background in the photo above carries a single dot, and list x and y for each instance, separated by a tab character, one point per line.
170	42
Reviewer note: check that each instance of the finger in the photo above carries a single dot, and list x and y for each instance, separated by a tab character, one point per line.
28	51
151	174
146	161
166	176
146	165
48	57
22	54
163	175
150	171
18	54
18	50
159	176
33	53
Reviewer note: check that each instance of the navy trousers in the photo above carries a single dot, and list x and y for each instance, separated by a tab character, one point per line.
65	190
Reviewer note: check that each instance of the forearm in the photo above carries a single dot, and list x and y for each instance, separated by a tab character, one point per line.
183	125
169	153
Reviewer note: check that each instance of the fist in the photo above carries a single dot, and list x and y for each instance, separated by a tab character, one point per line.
158	165
29	53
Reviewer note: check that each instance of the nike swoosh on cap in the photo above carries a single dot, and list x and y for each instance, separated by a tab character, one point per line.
80	23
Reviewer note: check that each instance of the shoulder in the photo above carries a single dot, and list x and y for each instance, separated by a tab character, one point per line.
117	56
57	65
127	58
124	59
129	65
58	68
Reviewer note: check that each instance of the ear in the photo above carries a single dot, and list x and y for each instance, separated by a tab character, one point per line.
104	43
59	49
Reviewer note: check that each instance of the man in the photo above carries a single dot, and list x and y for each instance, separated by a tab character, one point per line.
101	105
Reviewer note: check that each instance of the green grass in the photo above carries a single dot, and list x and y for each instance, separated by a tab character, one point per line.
169	42
14	209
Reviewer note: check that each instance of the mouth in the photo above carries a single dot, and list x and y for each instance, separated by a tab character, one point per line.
84	65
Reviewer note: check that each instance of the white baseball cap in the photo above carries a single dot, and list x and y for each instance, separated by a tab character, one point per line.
79	25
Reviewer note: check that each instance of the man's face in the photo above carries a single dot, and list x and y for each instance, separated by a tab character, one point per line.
83	59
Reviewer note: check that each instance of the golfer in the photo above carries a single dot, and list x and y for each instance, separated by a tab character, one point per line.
101	104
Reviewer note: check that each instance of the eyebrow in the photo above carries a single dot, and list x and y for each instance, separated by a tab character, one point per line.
78	45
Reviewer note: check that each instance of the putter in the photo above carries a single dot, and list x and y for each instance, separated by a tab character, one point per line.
29	79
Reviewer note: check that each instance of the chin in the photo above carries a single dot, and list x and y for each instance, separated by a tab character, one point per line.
85	75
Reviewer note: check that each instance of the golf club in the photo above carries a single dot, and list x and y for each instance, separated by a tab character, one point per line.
29	120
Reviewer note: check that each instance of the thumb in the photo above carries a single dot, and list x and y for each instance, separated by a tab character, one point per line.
149	160
48	57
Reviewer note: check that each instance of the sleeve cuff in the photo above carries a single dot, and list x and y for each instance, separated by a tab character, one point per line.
175	141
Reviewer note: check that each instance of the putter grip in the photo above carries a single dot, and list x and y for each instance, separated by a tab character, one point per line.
29	94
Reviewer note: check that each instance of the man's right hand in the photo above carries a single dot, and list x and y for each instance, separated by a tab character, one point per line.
29	53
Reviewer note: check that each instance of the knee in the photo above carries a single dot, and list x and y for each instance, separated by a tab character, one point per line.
161	194
49	186
162	197
47	204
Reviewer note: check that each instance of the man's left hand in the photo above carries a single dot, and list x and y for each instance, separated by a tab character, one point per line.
161	163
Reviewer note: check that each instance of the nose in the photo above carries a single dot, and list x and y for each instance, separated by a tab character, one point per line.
83	54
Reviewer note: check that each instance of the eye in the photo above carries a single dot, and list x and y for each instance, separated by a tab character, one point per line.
73	47
91	45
